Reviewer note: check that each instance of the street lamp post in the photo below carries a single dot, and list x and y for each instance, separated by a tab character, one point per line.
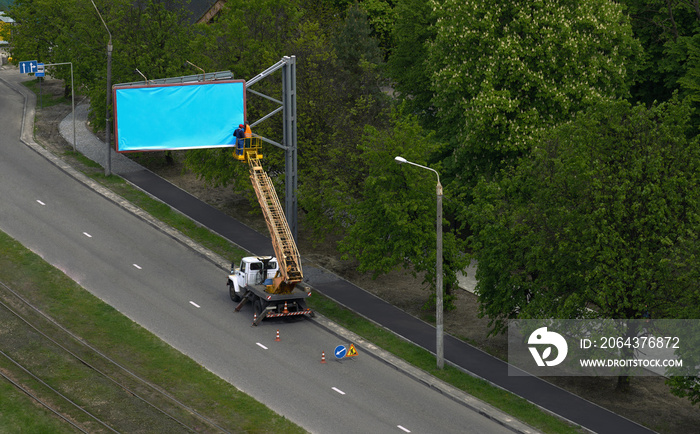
439	339
108	164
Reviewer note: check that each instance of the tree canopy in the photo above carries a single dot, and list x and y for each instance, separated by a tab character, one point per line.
503	71
148	35
391	222
601	221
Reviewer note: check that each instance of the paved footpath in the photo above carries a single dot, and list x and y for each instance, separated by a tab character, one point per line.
457	353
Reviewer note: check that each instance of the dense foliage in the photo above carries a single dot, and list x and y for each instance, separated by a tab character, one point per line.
503	71
601	220
583	201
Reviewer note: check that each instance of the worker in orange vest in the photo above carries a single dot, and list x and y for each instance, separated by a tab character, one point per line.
247	134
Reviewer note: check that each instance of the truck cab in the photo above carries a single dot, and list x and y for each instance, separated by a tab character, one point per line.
254	270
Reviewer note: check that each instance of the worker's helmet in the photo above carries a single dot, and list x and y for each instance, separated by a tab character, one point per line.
240	125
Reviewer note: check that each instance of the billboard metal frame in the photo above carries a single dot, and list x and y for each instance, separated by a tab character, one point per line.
288	107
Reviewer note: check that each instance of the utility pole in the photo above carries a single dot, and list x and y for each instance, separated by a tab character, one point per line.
108	162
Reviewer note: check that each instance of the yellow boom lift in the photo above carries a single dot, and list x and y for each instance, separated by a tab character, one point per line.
270	283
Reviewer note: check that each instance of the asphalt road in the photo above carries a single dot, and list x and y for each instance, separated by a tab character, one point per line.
180	296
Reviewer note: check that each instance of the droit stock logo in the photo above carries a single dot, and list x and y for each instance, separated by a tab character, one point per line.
541	337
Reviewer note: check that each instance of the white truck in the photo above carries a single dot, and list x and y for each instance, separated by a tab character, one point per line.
253	281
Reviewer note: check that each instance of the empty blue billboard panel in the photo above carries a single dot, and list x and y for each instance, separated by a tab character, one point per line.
179	116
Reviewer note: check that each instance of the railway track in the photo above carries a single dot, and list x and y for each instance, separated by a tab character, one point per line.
81	385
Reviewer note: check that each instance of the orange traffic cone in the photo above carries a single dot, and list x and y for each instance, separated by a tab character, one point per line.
285	307
323	357
278	335
255	318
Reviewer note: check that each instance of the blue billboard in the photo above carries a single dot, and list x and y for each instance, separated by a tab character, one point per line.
178	116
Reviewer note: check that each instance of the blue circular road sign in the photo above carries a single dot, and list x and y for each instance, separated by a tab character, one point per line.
340	351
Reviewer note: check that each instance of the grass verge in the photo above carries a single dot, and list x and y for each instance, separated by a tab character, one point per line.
44	99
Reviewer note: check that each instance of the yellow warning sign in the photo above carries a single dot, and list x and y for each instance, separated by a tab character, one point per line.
351	351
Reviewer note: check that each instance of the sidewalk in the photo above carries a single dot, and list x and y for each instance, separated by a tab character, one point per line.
90	146
457	353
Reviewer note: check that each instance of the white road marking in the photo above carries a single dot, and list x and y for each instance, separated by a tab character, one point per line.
87	235
137	266
194	304
338	390
403	429
40	202
261	345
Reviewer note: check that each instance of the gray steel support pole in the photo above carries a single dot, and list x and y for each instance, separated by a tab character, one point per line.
289	112
108	157
72	97
108	166
439	350
289	131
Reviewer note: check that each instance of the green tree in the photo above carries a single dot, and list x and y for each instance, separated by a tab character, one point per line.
153	37
664	28
686	387
246	38
686	76
503	71
45	31
148	35
684	381
345	96
391	222
338	88
62	31
382	18
408	61
356	50
601	221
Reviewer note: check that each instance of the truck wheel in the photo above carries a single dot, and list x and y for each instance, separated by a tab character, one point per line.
257	306
232	292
